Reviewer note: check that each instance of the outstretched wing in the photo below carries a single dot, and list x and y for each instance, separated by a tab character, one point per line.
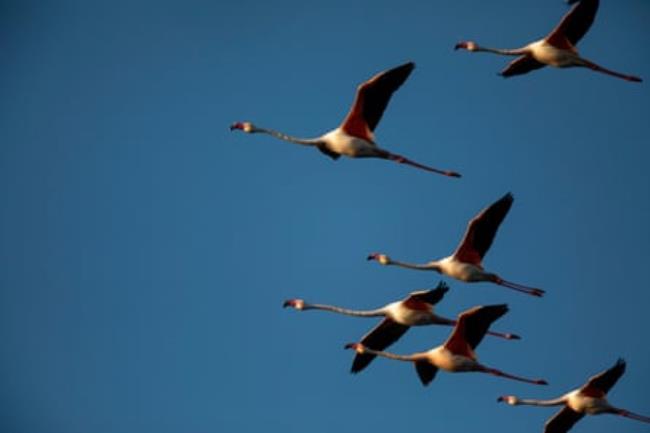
521	65
574	24
471	327
605	380
372	99
562	421
431	297
379	338
481	231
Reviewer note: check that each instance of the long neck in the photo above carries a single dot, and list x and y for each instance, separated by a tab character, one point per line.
431	266
340	310
285	137
529	402
502	51
409	358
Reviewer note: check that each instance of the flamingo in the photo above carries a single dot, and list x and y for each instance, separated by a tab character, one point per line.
590	399
557	49
465	264
355	137
414	310
457	353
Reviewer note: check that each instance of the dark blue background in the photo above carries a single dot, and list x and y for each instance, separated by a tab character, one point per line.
146	250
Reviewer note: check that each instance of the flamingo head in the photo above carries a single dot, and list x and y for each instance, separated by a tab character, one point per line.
383	259
244	126
357	347
298	304
509	399
466	45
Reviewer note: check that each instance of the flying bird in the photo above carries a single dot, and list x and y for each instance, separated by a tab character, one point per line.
465	264
355	136
557	49
414	310
590	399
457	353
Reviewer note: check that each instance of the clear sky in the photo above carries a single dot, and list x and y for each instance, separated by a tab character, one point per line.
146	250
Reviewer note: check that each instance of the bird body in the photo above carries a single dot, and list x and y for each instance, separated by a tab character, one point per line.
445	359
548	54
467	272
342	143
413	313
354	138
591	405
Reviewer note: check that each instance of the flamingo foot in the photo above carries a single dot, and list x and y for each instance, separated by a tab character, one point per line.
506	336
402	160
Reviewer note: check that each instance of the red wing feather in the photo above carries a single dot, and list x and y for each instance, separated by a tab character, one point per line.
427	297
574	24
471	327
372	99
481	231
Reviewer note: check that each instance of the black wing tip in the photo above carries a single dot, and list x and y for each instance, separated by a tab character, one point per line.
357	368
405	69
443	287
498	309
359	363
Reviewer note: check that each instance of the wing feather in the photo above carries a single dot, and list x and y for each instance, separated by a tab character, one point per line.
575	23
521	65
605	380
562	421
481	231
379	338
372	99
472	326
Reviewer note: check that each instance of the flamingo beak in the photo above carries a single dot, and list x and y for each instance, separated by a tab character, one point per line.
372	256
501	399
236	125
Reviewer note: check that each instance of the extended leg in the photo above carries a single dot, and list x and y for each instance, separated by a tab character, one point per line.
500	373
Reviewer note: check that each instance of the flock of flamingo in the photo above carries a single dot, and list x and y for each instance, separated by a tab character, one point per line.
355	138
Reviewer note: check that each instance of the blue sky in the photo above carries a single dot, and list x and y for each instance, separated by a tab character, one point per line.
147	250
